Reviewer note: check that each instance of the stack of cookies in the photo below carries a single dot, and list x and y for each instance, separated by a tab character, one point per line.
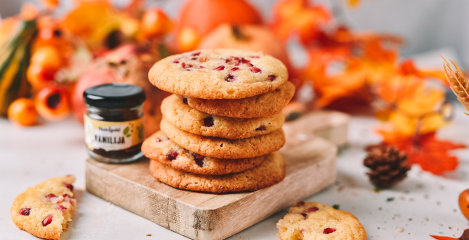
222	126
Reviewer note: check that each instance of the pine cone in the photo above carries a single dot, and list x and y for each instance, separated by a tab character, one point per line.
388	165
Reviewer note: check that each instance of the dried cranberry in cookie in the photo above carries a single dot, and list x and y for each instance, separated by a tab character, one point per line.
218	74
312	220
188	161
46	209
191	120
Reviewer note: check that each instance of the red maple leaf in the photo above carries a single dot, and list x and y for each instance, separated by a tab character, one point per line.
432	154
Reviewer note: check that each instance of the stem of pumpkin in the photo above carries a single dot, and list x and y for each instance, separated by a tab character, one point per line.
238	34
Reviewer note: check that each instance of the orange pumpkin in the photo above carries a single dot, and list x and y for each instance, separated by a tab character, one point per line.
203	16
247	37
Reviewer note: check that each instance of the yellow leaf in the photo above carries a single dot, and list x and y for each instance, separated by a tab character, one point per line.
421	101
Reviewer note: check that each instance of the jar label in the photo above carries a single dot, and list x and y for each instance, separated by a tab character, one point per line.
112	136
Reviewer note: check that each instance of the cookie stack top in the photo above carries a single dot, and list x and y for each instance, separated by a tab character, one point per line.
223	124
218	74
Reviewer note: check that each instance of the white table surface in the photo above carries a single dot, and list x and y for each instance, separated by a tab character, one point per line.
423	204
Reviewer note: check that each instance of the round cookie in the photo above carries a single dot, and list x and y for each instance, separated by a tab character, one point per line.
225	148
313	221
218	74
191	120
158	147
270	172
46	209
262	105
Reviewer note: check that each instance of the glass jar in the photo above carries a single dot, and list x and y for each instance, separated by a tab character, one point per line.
114	122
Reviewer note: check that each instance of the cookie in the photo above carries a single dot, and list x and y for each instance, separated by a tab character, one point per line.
46	209
218	74
270	172
262	105
158	147
225	148
191	120
314	221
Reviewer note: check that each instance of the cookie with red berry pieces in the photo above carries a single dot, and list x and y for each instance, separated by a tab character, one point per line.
46	209
316	221
262	105
218	74
270	172
158	147
191	120
224	148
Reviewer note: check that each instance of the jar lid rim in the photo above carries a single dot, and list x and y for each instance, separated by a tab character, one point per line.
114	95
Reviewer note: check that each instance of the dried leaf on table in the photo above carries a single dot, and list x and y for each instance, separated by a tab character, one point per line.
464	236
432	154
443	238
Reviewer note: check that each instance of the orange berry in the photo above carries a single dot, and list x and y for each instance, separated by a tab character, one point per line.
52	103
50	34
188	39
155	22
47	56
22	112
464	203
40	76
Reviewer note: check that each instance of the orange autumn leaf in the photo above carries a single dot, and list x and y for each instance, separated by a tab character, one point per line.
408	68
331	47
432	154
338	86
299	17
373	65
375	51
413	108
421	101
396	87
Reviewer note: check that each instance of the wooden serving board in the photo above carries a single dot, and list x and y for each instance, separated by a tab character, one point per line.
310	167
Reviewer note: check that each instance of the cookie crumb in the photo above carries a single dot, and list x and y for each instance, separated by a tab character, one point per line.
148	235
400	229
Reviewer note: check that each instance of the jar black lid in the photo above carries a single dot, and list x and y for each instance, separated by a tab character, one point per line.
114	95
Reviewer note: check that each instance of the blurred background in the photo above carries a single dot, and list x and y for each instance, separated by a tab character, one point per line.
425	25
381	58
